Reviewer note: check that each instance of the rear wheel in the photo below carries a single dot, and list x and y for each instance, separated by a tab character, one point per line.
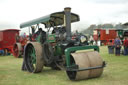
33	57
17	50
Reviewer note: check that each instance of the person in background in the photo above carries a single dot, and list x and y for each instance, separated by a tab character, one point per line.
111	47
24	35
110	43
117	43
91	40
17	37
125	44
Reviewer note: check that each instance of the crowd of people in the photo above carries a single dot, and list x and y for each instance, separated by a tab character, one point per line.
119	44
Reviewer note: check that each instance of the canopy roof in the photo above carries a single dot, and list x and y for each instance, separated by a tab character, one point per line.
125	24
53	19
9	30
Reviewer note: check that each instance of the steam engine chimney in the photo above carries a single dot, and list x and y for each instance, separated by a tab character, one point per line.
67	20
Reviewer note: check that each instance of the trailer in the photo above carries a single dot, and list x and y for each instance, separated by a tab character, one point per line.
104	35
7	40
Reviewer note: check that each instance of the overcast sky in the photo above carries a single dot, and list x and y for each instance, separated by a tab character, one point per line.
14	12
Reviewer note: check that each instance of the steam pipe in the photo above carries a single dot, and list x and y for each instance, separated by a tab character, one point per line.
68	22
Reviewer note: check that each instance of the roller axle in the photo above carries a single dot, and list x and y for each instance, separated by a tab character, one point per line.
75	68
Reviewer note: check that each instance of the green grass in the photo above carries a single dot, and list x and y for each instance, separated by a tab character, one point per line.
116	73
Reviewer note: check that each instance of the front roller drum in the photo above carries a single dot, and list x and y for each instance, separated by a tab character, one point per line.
33	57
85	60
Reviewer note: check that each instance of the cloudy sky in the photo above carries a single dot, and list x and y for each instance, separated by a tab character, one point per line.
14	12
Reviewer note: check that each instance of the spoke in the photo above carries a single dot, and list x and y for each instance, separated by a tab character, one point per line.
30	64
32	55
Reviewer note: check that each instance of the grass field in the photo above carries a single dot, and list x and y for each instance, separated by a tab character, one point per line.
116	73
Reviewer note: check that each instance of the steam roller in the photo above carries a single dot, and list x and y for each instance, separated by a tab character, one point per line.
60	49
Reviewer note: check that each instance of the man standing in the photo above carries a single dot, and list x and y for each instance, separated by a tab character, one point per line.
117	44
125	46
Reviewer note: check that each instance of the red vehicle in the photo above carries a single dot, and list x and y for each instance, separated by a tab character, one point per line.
18	47
7	39
104	35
